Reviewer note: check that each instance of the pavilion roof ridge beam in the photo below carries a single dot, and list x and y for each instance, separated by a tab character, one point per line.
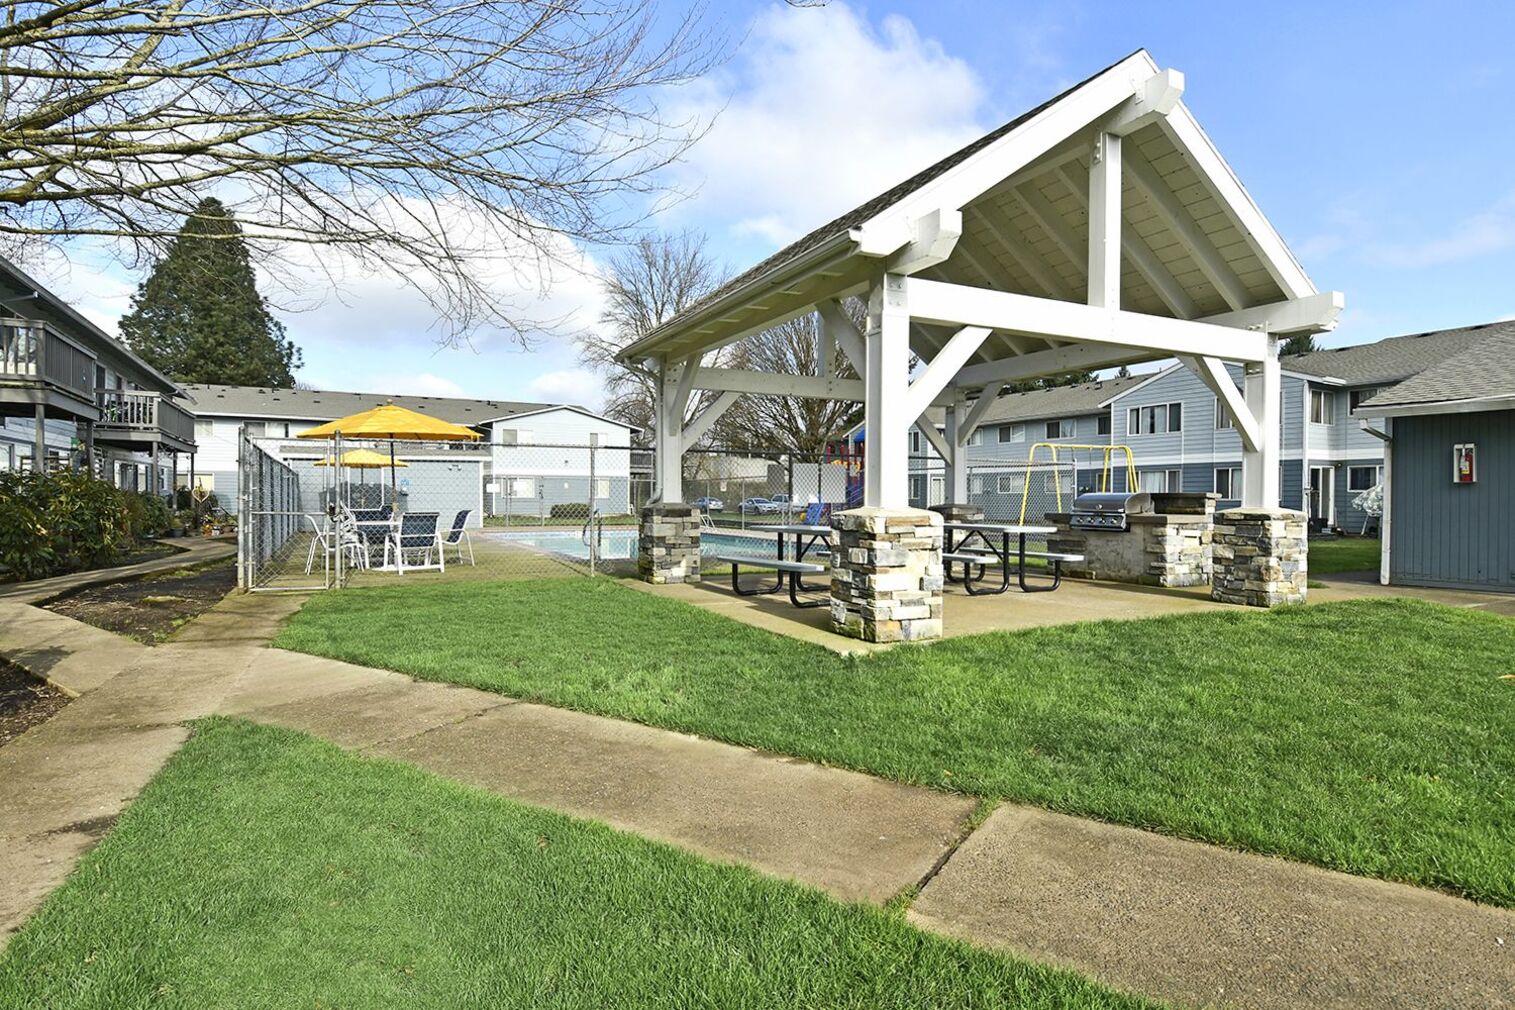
834	320
928	239
1213	373
1157	96
701	423
959	305
1142	257
1052	285
947	363
1216	174
816	387
1051	222
1042	133
1193	238
1315	313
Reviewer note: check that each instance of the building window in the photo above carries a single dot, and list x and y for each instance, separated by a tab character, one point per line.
1356	397
601	487
1228	482
521	487
1012	433
1223	418
1155	420
1010	483
1160	481
1103	426
977	438
917	489
255	429
1322	407
915	441
204	429
1361	478
1060	429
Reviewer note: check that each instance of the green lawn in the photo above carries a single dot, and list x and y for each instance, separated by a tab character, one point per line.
1345	554
1371	736
264	868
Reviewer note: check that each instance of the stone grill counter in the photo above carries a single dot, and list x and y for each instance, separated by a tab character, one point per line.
1171	546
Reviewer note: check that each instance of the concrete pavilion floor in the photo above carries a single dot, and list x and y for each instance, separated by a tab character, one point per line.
1076	600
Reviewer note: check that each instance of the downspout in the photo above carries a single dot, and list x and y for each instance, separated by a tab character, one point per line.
1385	542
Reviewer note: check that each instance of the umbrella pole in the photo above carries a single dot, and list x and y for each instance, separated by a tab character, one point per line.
394	480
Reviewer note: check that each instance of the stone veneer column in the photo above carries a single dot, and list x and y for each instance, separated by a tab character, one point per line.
952	512
668	543
886	574
1260	557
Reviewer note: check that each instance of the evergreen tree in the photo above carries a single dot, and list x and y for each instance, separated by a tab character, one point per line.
1302	343
199	318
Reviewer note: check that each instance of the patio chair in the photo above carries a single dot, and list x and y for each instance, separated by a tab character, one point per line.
458	537
417	535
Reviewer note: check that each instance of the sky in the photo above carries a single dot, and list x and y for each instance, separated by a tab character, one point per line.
1375	137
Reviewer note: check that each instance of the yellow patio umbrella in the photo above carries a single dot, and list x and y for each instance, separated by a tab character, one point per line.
394	424
362	459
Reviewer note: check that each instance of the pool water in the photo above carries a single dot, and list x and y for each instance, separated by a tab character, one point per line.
622	544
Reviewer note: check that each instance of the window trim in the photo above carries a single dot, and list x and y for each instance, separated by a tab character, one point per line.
1327	398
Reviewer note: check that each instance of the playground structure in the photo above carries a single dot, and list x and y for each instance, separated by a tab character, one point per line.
1055	463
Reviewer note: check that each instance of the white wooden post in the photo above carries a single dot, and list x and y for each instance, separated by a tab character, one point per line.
1105	222
668	447
1264	392
886	482
957	463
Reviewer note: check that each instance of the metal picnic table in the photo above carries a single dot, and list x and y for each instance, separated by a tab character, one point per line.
995	553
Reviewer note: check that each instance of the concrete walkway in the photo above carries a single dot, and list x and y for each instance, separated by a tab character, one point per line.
189	551
1190	923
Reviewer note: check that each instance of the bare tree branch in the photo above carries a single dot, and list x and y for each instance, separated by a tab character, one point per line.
417	135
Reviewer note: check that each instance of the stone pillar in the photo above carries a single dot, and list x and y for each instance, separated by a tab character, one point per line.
668	543
959	513
1260	557
886	574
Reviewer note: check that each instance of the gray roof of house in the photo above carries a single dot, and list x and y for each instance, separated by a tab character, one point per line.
1059	401
1484	368
327	405
1390	360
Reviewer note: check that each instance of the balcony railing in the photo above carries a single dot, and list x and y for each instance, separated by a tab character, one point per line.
34	352
141	411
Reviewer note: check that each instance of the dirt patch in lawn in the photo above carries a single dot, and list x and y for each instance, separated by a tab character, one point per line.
150	609
25	701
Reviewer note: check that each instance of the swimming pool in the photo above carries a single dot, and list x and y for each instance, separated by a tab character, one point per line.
622	544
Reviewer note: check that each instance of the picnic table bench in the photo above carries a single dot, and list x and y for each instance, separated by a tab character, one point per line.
788	571
992	555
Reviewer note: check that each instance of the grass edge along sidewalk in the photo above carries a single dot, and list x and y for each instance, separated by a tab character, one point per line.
263	865
1367	736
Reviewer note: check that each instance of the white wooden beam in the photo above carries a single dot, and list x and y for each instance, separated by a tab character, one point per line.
986	397
957	459
960	305
825	348
838	324
939	372
1052	361
1259	468
1142	257
1310	314
1213	373
668	436
1216	175
935	438
701	422
816	387
932	239
1105	221
886	480
1157	97
1196	243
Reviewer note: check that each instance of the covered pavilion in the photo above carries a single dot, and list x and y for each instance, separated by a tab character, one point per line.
1102	228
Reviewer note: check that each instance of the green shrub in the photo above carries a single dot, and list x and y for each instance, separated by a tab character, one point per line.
157	517
60	522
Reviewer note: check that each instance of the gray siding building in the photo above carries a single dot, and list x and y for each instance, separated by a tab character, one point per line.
1450	516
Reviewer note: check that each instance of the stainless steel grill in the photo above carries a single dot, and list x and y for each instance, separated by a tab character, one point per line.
1108	510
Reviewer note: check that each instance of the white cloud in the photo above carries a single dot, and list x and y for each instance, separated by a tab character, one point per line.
820	111
569	385
1488	231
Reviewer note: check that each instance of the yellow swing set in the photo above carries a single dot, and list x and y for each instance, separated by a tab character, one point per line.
1108	453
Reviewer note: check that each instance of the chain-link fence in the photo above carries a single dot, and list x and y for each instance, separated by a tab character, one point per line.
276	523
